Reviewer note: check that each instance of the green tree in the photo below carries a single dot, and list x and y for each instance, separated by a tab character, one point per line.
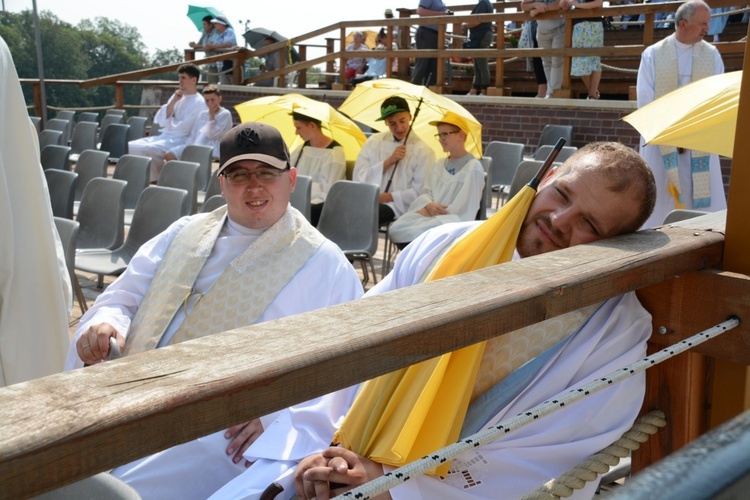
112	47
165	58
93	49
61	51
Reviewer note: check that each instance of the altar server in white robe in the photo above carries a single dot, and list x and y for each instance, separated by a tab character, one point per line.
320	158
176	119
679	59
396	163
604	190
35	293
254	260
209	127
453	188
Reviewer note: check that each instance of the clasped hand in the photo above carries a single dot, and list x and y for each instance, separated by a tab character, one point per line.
333	472
433	209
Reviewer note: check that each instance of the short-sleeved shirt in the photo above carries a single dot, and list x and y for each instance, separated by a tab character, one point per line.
477	32
437	5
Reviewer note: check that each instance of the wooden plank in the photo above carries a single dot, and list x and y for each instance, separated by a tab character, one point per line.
678	388
730	384
66	427
738	224
685	305
681	387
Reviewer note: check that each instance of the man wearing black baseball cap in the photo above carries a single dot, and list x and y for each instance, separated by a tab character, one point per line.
254	260
397	164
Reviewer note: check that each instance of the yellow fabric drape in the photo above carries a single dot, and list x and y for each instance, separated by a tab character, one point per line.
675	193
407	414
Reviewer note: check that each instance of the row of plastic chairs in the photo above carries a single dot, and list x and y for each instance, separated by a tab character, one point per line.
192	173
114	141
156	209
113	135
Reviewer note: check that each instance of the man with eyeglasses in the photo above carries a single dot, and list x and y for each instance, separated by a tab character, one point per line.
397	164
453	188
254	260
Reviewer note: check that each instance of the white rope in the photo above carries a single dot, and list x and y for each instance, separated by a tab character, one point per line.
600	462
491	62
418	467
214	73
621	70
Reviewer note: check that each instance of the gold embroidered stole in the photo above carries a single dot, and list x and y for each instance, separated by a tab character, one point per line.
666	79
238	297
505	354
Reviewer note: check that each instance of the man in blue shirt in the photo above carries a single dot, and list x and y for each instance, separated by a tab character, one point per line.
225	39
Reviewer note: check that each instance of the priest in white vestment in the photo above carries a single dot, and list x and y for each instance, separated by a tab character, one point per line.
176	119
35	293
254	260
396	163
684	178
604	190
453	189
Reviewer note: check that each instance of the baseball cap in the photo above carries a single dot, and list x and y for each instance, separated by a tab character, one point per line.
220	20
253	141
452	118
391	106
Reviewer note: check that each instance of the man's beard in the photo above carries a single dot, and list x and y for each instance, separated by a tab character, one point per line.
528	245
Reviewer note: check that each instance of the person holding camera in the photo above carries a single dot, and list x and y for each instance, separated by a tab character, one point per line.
480	37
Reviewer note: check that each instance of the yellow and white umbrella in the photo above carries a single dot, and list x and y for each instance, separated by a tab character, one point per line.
363	105
276	111
407	414
700	116
369	40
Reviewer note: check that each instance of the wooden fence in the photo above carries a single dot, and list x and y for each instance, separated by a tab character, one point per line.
447	25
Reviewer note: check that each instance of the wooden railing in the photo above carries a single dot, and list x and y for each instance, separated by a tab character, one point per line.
66	427
447	26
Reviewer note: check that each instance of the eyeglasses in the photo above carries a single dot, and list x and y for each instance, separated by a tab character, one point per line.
242	177
443	135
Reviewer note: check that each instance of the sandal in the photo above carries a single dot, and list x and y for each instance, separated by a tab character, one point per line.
593	97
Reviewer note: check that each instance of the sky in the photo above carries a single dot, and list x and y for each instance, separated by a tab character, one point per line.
164	24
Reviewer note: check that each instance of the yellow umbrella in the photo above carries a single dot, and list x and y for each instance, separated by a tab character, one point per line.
363	105
700	116
369	38
275	110
410	413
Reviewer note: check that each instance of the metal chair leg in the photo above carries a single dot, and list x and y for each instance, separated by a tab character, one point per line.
79	293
